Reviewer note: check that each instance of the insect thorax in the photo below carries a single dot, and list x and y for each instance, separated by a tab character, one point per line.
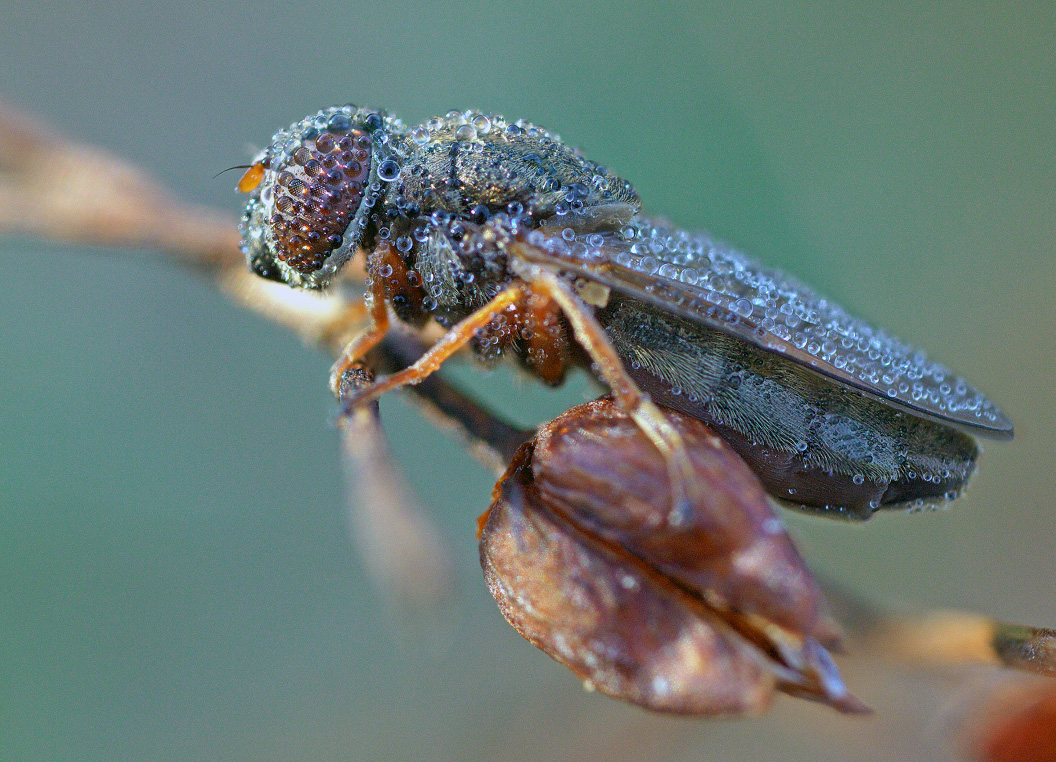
471	165
469	181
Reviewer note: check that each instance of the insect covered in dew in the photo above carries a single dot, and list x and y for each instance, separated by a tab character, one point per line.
518	245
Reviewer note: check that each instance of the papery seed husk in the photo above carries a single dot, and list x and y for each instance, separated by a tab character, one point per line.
624	633
595	466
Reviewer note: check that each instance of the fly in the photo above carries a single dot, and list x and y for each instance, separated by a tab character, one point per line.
519	246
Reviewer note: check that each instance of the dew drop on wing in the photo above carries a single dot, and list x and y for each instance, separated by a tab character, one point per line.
871	360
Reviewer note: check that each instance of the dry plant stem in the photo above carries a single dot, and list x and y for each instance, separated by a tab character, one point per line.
943	637
401	548
399	544
60	190
961	637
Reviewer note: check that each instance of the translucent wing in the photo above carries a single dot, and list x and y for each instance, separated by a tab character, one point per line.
701	279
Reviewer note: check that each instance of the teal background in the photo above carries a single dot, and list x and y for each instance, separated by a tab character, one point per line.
176	576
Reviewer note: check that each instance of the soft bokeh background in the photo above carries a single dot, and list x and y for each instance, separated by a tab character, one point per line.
176	577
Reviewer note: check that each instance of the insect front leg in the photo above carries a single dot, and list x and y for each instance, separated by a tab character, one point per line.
650	419
367	339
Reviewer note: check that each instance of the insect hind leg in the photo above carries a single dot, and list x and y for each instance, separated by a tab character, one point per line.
591	336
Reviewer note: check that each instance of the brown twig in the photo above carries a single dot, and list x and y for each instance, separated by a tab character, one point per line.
61	190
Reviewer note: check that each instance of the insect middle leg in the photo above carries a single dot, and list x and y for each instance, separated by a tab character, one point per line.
454	340
491	438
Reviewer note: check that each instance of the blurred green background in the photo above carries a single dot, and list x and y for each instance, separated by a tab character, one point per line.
176	577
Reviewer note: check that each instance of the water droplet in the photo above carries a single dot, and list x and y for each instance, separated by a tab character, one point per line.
741	307
388	170
339	122
660	685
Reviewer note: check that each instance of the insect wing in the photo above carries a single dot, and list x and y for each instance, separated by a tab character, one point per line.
704	281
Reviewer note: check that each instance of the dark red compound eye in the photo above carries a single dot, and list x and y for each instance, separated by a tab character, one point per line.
316	195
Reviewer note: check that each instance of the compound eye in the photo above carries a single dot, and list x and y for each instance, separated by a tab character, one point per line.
316	193
251	179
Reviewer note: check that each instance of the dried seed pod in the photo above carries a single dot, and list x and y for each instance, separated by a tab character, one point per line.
706	613
595	465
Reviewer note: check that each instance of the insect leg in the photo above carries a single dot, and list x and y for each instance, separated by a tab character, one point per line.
592	338
368	339
452	341
491	438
